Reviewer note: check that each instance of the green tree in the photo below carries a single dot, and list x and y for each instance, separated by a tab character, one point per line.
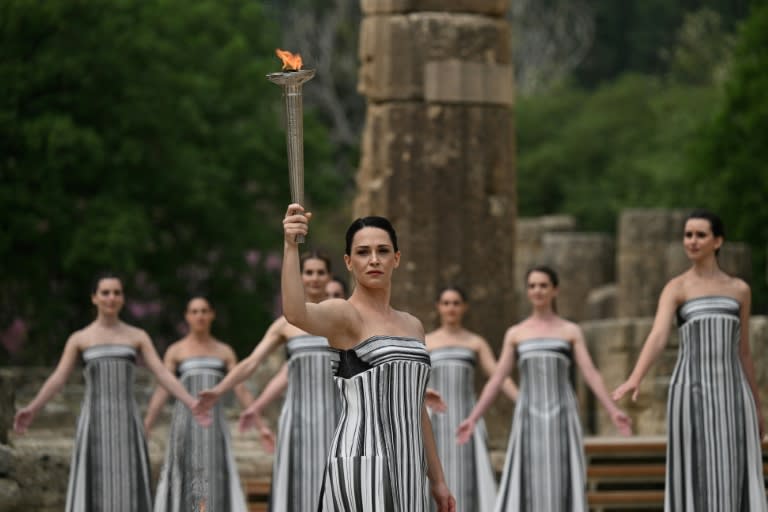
141	136
730	165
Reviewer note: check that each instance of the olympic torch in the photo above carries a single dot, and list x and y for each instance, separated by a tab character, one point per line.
291	79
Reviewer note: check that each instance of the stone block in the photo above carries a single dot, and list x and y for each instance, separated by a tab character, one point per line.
396	52
641	259
488	7
10	494
602	302
583	261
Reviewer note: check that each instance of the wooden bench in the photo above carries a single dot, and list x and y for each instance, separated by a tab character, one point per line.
257	494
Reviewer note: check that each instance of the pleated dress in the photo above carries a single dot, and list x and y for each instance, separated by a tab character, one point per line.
306	426
713	454
377	461
544	468
468	471
110	468
199	472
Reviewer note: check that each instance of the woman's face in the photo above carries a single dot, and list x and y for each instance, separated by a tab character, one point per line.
541	292
698	239
199	315
334	290
315	276
108	298
372	258
451	307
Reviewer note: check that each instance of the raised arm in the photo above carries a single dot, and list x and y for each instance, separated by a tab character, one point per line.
488	363
491	388
440	492
245	368
745	354
52	385
160	396
326	319
594	380
164	377
244	396
654	343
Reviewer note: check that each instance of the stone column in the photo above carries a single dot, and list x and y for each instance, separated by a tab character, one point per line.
438	149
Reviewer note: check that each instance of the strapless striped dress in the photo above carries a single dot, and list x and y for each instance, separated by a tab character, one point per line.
199	472
110	467
713	454
544	469
377	460
306	426
467	467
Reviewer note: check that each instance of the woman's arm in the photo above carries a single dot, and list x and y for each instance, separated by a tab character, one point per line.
488	362
164	377
160	396
242	393
245	368
274	389
745	354
327	319
595	382
52	385
491	388
654	343
440	492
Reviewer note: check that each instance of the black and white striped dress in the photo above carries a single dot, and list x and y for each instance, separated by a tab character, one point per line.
713	453
544	470
199	465
467	467
307	423
377	460
110	467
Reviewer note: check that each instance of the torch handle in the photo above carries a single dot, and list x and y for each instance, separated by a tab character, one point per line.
294	139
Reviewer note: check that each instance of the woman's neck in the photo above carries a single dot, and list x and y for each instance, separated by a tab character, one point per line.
452	327
107	321
376	299
544	314
202	337
707	268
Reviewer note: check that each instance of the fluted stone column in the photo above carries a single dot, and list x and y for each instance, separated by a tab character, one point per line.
438	150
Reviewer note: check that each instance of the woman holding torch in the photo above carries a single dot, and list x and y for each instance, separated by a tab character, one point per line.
383	451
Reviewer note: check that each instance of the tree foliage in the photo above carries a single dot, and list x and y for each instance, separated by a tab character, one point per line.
730	164
141	136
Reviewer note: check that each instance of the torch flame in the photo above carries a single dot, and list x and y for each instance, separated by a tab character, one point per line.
291	62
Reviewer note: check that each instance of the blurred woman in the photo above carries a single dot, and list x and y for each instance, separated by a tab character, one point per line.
110	467
714	420
544	468
199	466
311	406
455	352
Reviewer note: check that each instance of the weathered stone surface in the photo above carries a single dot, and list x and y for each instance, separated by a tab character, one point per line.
396	52
10	495
583	262
602	302
492	7
6	460
641	260
444	176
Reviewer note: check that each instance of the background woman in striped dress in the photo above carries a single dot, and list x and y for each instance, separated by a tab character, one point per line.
199	466
455	352
714	421
311	406
383	450
110	468
544	469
